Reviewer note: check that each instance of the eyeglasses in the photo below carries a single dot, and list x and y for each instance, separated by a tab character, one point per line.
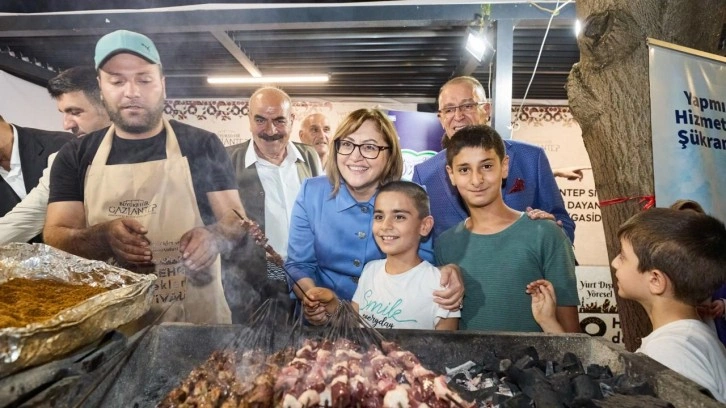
369	151
464	108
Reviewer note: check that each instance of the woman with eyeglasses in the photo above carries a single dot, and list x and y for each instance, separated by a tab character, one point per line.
330	229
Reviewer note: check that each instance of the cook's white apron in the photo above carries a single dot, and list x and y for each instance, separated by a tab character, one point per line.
160	195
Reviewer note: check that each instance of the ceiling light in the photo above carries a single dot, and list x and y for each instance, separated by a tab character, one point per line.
476	44
578	27
267	79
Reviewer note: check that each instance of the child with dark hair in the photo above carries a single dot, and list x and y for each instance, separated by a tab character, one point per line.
712	310
501	250
670	261
397	292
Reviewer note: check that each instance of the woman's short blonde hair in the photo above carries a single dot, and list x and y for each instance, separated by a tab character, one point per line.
351	123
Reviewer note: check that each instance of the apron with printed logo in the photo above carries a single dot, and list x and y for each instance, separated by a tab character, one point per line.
159	194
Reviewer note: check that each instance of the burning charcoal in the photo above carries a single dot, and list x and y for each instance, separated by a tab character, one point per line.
489	379
561	384
572	364
515	375
632	401
461	369
507	386
534	384
544	396
549	368
490	362
606	390
518	401
475	370
526	378
629	386
460	378
585	390
483	394
461	389
524	362
504	365
518	352
598	372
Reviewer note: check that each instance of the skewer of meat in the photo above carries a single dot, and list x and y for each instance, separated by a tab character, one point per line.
260	239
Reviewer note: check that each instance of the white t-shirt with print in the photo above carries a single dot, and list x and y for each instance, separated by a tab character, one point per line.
402	301
692	349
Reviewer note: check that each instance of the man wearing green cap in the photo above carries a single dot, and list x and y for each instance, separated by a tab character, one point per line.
153	195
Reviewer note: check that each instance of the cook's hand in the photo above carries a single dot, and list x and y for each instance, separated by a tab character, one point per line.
535	214
452	296
199	248
127	240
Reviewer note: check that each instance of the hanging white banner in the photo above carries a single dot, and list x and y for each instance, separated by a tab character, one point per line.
688	117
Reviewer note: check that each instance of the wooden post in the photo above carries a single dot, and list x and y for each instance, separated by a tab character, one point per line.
608	91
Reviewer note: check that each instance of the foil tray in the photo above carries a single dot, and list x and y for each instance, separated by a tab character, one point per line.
128	298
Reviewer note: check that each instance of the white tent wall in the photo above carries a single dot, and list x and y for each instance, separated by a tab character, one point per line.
28	105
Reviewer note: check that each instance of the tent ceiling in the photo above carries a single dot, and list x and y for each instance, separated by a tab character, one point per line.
396	50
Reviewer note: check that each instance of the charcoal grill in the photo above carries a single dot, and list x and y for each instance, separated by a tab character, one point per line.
168	352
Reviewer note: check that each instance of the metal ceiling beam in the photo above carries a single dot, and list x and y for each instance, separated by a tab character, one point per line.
230	45
24	69
338	35
526	11
234	19
279	18
502	92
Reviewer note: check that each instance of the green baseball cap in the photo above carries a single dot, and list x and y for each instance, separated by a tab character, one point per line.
125	41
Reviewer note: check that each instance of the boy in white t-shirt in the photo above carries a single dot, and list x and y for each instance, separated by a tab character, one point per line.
670	261
397	292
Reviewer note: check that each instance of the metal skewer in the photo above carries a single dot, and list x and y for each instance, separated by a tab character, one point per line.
276	258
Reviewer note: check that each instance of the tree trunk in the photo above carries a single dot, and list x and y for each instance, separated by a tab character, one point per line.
609	96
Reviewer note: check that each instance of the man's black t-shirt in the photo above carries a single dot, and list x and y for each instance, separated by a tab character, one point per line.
209	163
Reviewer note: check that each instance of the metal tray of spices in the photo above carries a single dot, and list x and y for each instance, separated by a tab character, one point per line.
128	296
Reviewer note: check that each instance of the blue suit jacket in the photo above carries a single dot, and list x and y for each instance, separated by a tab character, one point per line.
528	163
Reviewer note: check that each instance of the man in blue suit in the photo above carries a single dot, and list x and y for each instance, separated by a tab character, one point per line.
530	186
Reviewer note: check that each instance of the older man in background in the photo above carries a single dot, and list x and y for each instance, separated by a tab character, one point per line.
316	131
269	171
78	98
530	186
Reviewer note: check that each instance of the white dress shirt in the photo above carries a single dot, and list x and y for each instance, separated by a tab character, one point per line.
281	184
14	177
27	218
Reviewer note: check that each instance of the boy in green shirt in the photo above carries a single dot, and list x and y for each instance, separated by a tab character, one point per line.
498	249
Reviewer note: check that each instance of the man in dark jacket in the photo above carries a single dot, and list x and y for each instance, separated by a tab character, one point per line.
23	157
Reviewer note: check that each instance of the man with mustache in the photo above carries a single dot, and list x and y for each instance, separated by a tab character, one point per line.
150	194
78	98
269	170
315	131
